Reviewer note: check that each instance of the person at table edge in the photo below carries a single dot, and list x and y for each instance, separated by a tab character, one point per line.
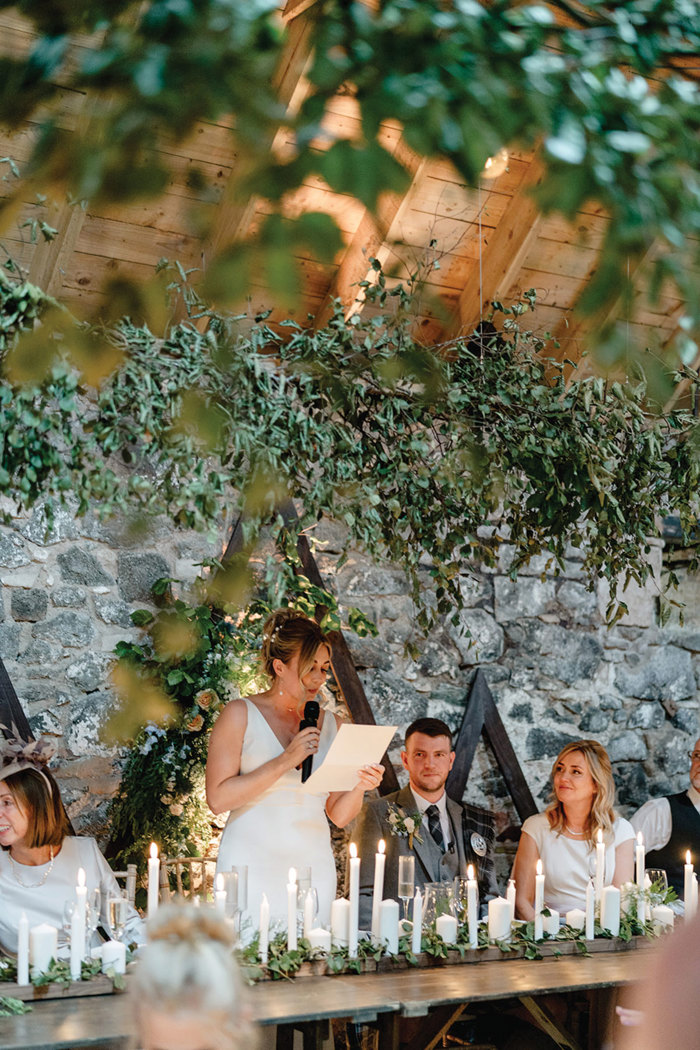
448	835
670	826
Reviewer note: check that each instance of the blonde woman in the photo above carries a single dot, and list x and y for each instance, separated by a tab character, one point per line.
564	836
255	750
189	994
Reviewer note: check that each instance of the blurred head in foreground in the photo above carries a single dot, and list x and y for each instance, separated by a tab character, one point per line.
188	994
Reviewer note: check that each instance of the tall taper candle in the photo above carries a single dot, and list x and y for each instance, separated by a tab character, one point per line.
510	897
639	861
77	945
417	923
687	883
81	912
153	880
599	866
354	885
472	908
590	911
539	900
378	892
264	928
220	894
23	949
292	890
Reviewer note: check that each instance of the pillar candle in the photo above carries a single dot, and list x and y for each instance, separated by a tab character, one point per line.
77	945
23	950
662	917
114	956
319	938
340	922
610	910
472	908
388	932
510	897
354	885
292	910
539	900
576	919
590	911
639	861
687	881
499	919
417	923
153	880
43	943
599	866
378	893
446	926
264	938
308	913
220	894
80	911
550	923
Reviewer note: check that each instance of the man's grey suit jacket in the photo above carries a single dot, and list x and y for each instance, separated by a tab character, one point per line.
467	821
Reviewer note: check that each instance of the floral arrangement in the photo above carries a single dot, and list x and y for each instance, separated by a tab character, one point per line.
403	825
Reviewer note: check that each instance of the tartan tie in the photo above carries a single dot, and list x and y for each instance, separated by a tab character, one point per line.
435	826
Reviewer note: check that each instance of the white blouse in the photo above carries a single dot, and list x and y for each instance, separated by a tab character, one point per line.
44	903
569	864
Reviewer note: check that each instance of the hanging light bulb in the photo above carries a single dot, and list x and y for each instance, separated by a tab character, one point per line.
495	165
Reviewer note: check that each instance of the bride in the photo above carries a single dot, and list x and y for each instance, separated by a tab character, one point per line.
255	750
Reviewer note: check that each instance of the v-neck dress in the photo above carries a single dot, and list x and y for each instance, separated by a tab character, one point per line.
285	827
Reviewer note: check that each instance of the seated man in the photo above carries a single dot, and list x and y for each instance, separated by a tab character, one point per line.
444	836
671	826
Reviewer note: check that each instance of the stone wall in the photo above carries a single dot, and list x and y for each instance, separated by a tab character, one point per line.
556	672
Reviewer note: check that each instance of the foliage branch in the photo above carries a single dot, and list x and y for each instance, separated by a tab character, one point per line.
606	88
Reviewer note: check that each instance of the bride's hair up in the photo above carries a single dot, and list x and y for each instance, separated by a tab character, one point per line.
286	633
188	969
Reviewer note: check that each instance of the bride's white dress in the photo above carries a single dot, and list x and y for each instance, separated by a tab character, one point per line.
284	827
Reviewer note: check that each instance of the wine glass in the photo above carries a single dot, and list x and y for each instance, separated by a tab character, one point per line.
439	900
310	905
303	884
407	881
118	912
658	881
236	884
68	910
94	900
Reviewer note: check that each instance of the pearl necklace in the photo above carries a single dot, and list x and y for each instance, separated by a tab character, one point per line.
42	880
576	834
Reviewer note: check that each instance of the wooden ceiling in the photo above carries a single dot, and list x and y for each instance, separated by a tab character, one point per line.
472	244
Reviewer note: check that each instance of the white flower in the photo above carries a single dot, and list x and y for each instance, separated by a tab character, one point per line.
393	818
410	824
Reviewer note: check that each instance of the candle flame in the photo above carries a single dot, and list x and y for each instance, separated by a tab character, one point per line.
687	856
640	839
599	835
292	875
81	876
381	846
220	881
353	850
538	867
470	872
154	851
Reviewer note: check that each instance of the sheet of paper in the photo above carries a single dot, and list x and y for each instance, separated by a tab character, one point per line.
353	747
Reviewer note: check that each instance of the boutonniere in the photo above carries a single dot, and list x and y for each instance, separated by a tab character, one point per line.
404	826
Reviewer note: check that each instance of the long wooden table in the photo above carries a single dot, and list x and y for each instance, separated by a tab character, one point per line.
105	1023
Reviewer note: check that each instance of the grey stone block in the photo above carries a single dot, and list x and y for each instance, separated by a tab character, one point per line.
546	743
580	604
13	551
608	702
663	674
627	746
112	610
478	637
521	713
68	597
526	596
29	604
45	722
594	722
369	652
566	655
89	671
632	785
87	715
646	716
9	641
365	578
37	528
138	573
686	721
393	700
79	566
42	657
70	629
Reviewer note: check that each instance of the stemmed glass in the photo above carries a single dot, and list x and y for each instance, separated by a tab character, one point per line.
310	895
303	884
68	909
658	882
94	899
236	885
118	911
407	881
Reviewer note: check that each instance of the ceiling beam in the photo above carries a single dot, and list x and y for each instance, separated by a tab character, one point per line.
50	258
503	253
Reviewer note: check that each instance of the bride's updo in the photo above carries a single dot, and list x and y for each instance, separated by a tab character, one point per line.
286	633
188	980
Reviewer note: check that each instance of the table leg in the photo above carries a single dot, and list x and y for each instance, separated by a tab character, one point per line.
601	1018
549	1024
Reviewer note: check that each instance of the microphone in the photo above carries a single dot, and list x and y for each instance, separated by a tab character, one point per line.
311	713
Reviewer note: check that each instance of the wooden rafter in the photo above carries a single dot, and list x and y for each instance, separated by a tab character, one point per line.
503	253
51	257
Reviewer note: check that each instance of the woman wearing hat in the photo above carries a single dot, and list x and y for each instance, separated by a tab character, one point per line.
39	857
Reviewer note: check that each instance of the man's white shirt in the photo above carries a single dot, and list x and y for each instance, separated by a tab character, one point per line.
653	819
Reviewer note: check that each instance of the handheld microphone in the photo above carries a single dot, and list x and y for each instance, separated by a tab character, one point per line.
311	712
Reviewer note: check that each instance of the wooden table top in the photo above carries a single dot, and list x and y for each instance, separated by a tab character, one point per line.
104	1022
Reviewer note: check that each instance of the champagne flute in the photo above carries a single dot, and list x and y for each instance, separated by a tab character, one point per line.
118	913
68	909
407	880
94	899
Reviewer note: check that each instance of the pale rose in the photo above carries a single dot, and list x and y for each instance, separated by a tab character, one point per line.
410	824
195	724
206	698
166	800
177	809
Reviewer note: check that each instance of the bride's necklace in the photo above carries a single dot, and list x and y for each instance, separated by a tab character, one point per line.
576	834
42	880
